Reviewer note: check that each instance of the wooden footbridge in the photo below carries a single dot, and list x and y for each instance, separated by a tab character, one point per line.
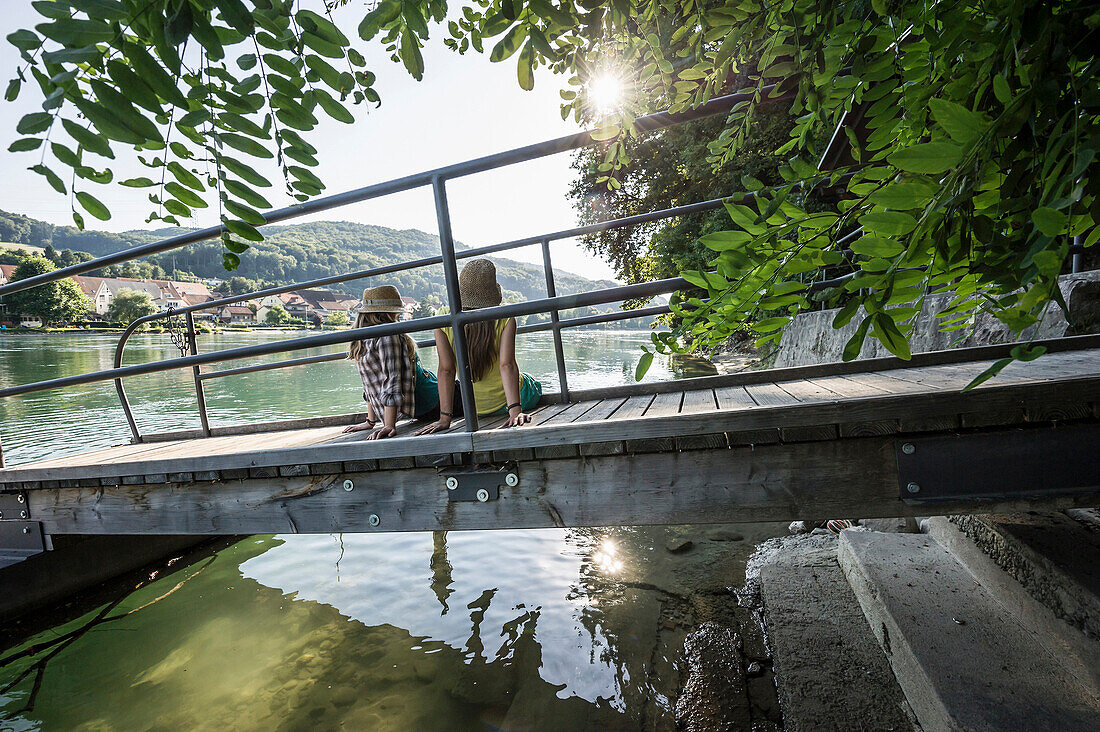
873	438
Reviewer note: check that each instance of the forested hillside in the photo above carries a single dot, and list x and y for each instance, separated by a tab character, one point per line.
295	253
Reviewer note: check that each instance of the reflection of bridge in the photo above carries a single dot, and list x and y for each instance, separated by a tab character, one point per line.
874	438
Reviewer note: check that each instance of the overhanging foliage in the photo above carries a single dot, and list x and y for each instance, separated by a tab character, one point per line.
972	167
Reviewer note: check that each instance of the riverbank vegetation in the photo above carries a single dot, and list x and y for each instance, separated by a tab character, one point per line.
966	132
61	300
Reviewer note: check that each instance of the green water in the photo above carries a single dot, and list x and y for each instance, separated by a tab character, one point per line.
548	629
56	423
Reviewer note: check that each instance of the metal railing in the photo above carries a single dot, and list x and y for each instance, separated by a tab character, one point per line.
448	258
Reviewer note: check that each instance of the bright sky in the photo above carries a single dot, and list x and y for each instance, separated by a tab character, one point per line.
464	108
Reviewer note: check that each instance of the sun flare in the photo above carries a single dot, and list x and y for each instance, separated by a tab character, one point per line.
605	93
606	556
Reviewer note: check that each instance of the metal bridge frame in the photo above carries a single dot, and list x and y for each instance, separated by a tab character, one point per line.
448	257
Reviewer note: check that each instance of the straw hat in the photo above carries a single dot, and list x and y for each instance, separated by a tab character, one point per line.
477	285
384	299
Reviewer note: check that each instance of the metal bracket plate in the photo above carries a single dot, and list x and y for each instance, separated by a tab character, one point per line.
14	506
19	540
1003	465
478	483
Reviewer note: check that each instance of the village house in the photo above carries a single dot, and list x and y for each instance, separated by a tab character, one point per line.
295	305
264	305
409	304
236	314
321	302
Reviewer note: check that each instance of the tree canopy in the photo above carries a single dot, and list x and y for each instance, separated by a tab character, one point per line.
129	305
61	300
972	126
276	315
671	168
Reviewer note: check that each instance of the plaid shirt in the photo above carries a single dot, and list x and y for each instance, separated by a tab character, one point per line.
389	380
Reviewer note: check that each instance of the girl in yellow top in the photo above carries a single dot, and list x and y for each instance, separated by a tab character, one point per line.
499	386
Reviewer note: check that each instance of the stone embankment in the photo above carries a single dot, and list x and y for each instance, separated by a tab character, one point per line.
811	338
981	623
976	623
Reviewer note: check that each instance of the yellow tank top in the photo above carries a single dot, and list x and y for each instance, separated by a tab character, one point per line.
489	392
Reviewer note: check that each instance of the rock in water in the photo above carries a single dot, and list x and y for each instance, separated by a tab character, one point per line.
714	696
679	545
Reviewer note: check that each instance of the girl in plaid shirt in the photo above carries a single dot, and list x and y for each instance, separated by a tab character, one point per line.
394	384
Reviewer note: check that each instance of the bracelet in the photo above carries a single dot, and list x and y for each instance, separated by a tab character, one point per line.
517	404
446	414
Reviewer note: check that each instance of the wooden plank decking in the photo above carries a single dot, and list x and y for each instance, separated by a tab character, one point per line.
803	427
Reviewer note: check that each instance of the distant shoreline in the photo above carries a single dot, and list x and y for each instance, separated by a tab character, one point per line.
159	331
116	331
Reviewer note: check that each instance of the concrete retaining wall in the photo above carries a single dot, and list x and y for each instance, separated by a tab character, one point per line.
811	339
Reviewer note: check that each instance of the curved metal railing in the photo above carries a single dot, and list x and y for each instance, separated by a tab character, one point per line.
448	258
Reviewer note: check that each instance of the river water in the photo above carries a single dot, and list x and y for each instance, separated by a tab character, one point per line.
535	629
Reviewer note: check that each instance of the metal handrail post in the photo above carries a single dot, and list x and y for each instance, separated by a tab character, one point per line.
555	321
1078	261
200	394
454	301
123	400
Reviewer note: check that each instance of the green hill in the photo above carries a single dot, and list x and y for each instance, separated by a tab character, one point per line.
299	252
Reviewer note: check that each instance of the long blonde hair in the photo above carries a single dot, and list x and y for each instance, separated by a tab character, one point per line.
483	347
357	348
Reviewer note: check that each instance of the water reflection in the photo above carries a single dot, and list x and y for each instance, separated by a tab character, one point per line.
258	658
441	569
606	557
508	629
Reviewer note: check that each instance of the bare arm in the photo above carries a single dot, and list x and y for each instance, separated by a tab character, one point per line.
446	376
389	426
509	375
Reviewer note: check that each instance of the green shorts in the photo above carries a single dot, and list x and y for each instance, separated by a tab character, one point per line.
530	391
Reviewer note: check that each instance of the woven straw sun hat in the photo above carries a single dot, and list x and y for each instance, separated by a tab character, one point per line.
477	285
384	299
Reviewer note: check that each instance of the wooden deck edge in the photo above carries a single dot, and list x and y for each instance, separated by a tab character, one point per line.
795	373
986	406
362	450
743	378
335	420
853	478
994	399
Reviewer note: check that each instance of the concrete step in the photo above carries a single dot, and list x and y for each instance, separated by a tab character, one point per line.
1016	591
964	660
830	672
1054	557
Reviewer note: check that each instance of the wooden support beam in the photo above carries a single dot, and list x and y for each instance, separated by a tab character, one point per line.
854	478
